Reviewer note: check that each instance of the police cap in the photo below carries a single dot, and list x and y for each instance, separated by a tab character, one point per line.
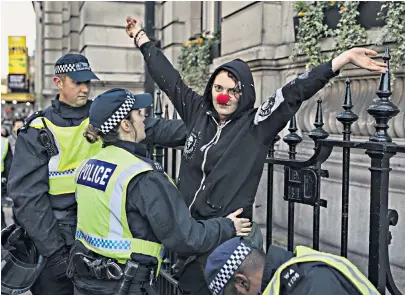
111	107
76	66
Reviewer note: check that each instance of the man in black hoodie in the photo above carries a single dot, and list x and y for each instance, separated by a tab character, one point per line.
228	138
239	268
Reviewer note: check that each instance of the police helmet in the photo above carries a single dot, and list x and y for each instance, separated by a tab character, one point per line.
21	263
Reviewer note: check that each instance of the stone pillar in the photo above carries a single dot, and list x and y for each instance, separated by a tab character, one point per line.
74	26
111	53
39	102
177	21
65	26
53	33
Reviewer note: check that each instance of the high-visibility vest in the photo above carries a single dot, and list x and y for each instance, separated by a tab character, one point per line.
4	151
101	193
73	148
305	254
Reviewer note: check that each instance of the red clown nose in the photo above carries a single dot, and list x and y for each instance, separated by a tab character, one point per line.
222	98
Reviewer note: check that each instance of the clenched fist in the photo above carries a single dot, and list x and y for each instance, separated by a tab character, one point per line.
133	27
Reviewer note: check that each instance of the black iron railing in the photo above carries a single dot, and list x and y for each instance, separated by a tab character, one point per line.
302	182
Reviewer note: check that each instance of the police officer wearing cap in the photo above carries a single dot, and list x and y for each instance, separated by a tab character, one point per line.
238	267
129	209
41	182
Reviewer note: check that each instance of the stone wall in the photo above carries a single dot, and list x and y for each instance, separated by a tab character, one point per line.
97	30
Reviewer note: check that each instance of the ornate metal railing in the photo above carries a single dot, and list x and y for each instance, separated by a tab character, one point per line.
302	182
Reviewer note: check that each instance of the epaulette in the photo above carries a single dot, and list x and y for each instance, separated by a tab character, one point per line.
155	165
291	276
28	121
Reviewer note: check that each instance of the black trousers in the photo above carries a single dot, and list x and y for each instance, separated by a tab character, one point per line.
47	284
89	286
51	283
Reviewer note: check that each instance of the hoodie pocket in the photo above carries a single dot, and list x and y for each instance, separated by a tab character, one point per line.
213	205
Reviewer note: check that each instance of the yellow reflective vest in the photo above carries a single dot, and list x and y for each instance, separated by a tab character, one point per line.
101	193
4	151
305	254
72	147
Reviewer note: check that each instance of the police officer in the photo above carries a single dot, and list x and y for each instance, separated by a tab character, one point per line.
50	146
6	159
18	122
129	209
239	268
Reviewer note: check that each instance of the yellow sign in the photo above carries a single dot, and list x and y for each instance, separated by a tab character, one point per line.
17	41
17	55
20	97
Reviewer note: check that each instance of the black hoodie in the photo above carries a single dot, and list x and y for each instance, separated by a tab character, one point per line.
222	163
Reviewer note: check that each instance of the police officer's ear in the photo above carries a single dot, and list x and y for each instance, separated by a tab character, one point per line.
58	82
242	283
126	125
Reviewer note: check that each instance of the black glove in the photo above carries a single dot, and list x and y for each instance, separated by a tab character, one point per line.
58	263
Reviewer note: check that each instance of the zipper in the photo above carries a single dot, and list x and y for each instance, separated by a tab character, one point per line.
205	149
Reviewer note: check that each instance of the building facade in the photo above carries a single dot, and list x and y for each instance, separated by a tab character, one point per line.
262	34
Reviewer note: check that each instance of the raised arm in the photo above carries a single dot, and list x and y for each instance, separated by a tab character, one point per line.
273	115
165	133
185	100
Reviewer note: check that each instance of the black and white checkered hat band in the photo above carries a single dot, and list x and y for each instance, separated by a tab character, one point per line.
226	272
119	115
76	67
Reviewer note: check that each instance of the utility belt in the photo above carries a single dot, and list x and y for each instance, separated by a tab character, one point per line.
104	268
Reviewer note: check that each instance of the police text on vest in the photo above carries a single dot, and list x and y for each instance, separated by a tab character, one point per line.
96	174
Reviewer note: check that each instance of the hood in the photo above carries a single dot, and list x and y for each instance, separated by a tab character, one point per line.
276	256
242	72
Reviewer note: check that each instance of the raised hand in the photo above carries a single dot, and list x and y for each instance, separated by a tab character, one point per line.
361	58
133	27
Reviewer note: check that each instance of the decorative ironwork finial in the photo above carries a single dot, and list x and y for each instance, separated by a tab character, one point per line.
383	109
318	132
158	109
166	112
292	139
174	114
347	117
